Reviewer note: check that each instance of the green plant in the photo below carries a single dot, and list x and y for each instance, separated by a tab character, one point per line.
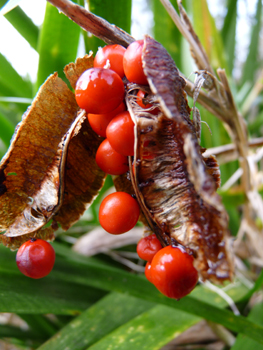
115	307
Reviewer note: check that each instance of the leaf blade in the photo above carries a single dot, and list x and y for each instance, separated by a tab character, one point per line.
58	44
23	24
99	320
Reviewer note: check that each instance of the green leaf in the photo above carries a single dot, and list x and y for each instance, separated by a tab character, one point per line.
10	79
150	330
258	284
40	324
58	44
23	24
252	62
244	342
228	33
91	273
15	332
20	294
208	34
9	5
6	130
170	38
117	12
93	324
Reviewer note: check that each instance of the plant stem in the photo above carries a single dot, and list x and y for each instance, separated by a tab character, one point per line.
97	26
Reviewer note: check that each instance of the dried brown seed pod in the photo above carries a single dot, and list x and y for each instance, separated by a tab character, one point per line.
175	185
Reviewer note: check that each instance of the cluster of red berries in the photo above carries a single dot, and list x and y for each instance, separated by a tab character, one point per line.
101	91
170	269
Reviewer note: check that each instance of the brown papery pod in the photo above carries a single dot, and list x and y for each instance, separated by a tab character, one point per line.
175	185
83	178
49	171
32	170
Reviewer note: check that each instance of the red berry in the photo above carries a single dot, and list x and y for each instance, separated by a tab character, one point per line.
147	152
118	213
35	258
99	90
148	271
173	273
148	246
99	122
110	161
120	133
114	55
141	96
132	63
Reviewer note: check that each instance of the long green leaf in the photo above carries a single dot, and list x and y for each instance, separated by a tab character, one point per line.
93	324
228	33
8	6
20	294
40	324
74	273
170	38
150	330
23	24
117	12
16	332
208	34
58	44
245	343
252	62
10	79
93	274
6	129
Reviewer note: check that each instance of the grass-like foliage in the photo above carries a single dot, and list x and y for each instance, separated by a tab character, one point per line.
102	300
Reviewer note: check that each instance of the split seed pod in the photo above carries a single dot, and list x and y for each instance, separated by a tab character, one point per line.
174	184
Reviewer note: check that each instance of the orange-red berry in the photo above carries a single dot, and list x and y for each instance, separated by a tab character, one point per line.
110	161
173	273
99	122
120	133
148	246
118	213
35	258
132	63
99	90
111	55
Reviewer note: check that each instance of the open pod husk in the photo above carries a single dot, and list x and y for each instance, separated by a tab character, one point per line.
174	184
49	171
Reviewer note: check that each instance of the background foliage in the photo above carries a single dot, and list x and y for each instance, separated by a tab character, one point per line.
97	302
